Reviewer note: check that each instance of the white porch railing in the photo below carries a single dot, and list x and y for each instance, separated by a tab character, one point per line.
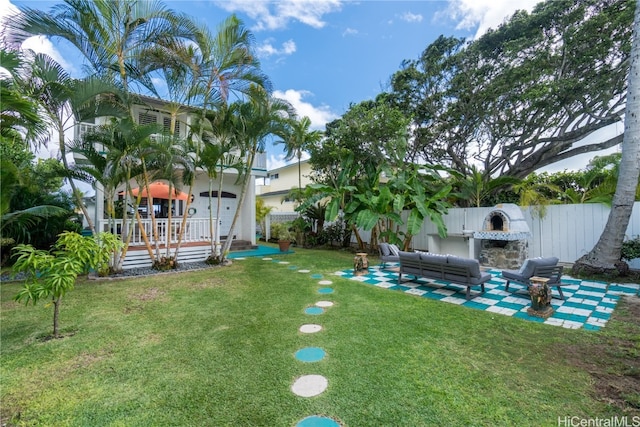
196	230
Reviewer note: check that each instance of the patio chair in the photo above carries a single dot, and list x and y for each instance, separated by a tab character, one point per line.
387	255
536	267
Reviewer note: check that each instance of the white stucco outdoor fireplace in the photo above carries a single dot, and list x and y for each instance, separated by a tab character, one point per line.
504	237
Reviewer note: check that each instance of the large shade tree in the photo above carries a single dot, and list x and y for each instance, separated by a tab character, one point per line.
524	95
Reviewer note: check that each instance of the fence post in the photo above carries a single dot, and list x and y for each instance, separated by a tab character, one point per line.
267	225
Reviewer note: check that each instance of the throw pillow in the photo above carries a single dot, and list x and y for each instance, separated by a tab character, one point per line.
394	250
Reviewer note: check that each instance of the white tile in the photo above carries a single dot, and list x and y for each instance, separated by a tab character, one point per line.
444	292
385	285
567	310
582	312
454	300
595	285
604	309
596	321
487	301
415	292
554	321
590	302
589	293
570	324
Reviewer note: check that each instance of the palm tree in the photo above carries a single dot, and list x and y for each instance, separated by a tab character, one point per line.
63	99
260	117
115	37
19	118
296	138
605	255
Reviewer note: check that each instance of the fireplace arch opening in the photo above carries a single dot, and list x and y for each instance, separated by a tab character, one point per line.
497	223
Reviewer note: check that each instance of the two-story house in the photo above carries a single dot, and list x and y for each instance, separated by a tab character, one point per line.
279	183
197	235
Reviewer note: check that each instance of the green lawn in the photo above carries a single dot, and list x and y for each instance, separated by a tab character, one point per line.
216	348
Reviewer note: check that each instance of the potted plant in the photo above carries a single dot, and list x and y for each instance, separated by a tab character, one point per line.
284	236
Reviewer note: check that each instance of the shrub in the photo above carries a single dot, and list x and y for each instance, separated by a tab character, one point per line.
631	249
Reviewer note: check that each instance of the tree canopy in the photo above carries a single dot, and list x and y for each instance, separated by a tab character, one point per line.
522	96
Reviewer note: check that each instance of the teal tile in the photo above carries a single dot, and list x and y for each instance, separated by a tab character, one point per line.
589	327
525	316
511	305
476	305
601	315
568	316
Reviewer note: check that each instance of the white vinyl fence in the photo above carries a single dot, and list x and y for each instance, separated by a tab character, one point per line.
566	231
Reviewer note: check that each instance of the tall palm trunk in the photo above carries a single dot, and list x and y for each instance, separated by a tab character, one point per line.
74	189
243	192
605	256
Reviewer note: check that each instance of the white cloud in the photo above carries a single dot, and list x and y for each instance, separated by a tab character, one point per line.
350	32
274	15
267	49
484	14
319	116
411	17
275	161
38	44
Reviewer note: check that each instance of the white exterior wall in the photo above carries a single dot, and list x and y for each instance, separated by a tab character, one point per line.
287	180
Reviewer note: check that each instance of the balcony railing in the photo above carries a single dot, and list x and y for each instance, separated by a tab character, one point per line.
196	230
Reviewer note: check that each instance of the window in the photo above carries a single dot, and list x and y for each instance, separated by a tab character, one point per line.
166	125
147	119
273	176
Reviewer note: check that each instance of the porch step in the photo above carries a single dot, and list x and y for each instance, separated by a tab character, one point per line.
242	245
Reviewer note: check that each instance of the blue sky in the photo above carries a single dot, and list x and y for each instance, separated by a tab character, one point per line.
322	55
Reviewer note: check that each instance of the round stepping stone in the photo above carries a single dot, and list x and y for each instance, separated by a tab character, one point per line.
317	421
316	276
304	271
310	354
310	328
309	385
324	304
325	282
267	259
314	310
293	267
239	258
325	291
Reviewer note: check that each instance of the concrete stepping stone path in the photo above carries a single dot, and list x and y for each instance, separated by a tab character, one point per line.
310	328
317	421
324	304
314	310
313	385
310	354
309	385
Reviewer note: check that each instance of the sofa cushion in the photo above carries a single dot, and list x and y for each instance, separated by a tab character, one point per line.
434	258
472	264
409	255
384	249
482	278
513	275
529	265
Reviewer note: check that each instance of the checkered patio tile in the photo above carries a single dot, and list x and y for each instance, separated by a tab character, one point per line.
587	304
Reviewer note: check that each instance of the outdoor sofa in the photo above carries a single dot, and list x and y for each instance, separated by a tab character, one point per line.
450	268
388	253
536	267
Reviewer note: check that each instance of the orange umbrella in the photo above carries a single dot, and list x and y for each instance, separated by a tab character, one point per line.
160	190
